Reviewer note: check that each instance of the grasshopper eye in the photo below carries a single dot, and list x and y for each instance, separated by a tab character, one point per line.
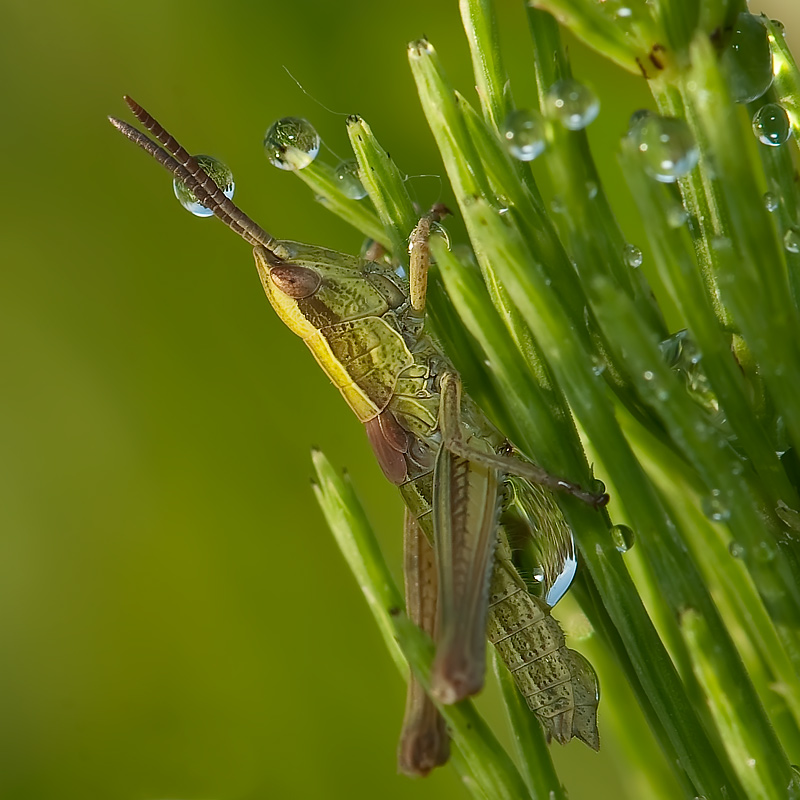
295	282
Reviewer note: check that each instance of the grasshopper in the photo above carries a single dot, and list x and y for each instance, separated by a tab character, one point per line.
466	489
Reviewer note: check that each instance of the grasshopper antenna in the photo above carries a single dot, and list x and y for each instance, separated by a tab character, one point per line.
185	167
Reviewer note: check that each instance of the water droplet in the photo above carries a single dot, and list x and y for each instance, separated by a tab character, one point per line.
591	189
557	204
221	175
598	365
672	347
648	375
572	104
596	486
771	125
525	134
791	240
623	537
291	143
637	117
747	60
624	12
632	255
677	216
736	550
751	762
551	559
771	201
714	507
667	148
793	789
765	552
349	182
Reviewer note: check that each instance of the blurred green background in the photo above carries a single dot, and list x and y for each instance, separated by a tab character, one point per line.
175	619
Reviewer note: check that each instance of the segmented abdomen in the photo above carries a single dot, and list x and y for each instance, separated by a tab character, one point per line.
558	684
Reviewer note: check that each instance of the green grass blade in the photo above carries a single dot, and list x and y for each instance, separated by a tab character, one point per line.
489	764
321	179
385	186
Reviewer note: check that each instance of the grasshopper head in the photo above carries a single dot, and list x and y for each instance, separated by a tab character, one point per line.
313	287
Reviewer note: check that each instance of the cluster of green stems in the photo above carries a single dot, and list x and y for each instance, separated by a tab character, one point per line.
560	341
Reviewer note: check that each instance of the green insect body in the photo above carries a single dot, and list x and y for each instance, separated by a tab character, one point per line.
465	489
558	684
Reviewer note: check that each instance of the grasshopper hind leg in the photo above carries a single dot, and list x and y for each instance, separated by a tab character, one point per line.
424	742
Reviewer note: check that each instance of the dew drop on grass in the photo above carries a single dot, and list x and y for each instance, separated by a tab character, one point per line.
714	507
551	563
349	182
747	60
765	552
623	537
793	789
771	125
291	143
596	486
572	103
220	174
525	134
632	255
791	240
598	366
771	201
736	550
667	148
672	347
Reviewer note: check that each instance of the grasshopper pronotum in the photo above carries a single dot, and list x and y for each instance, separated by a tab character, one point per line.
457	474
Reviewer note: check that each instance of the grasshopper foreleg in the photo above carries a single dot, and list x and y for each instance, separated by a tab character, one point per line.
452	439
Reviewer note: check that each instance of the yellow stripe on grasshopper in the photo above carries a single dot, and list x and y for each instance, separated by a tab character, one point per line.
347	319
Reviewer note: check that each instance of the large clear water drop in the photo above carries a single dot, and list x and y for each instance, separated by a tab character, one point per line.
668	150
349	181
771	125
221	175
747	59
540	538
572	103
291	143
623	537
525	134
